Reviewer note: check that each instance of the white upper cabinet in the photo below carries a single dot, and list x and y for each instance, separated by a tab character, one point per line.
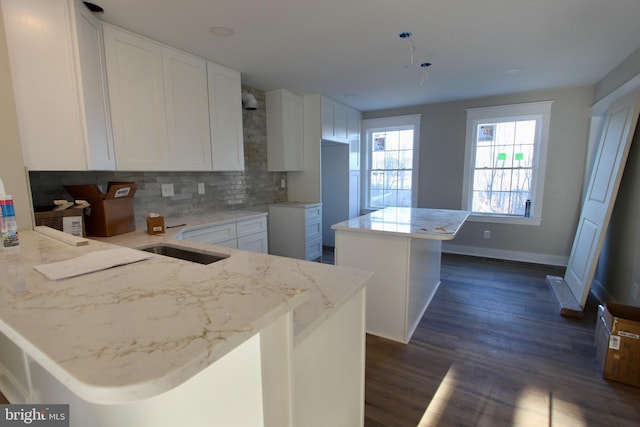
335	118
225	118
187	107
59	81
285	145
136	91
171	110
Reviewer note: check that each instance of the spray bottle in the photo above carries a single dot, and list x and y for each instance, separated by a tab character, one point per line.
8	224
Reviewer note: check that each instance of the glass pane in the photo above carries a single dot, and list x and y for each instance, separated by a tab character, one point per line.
525	132
406	159
523	156
392	141
377	180
377	160
404	180
389	198
485	157
406	140
521	180
376	198
480	202
404	198
492	180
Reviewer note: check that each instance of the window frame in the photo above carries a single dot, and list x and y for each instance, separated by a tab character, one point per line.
370	126
541	112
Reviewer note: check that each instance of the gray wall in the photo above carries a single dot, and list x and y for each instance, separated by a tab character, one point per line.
255	187
442	147
621	74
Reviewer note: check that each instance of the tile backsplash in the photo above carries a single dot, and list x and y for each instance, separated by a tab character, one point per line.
255	187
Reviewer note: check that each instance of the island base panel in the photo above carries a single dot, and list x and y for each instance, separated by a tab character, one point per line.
407	275
329	370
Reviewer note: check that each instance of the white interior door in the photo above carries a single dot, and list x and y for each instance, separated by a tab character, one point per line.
601	193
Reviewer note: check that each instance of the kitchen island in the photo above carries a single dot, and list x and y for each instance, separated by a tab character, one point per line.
403	247
168	342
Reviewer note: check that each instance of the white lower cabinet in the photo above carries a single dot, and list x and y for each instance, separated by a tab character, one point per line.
248	234
295	230
14	374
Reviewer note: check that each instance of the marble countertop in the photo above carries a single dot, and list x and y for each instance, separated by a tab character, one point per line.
138	330
440	224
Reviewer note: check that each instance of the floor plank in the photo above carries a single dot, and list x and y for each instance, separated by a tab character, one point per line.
493	350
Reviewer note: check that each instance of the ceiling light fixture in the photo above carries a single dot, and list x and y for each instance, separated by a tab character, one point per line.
220	31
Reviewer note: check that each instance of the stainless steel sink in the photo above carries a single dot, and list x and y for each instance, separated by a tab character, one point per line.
187	254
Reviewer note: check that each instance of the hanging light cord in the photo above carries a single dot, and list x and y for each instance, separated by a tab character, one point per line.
412	49
425	66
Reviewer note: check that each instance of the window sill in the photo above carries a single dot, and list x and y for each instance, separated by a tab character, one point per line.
504	219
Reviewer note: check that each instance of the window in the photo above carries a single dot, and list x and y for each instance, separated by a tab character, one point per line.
391	159
505	162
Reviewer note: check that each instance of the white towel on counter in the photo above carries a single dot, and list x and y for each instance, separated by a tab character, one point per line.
91	262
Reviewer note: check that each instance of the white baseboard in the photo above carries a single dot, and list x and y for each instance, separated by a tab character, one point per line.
504	254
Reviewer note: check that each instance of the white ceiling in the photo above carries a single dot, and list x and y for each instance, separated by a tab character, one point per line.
340	47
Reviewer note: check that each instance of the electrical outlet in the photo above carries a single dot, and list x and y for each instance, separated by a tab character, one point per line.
283	183
167	190
634	291
201	188
486	235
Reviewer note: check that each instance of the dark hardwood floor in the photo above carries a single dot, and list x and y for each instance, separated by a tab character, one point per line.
493	350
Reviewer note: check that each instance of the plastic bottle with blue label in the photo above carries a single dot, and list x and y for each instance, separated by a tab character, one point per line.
8	224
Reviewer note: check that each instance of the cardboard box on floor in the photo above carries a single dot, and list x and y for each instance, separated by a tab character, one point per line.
618	343
110	213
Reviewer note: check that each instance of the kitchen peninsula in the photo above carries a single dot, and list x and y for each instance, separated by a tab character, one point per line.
403	247
168	342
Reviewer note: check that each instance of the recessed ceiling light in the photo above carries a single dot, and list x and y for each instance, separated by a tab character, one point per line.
514	70
221	31
350	95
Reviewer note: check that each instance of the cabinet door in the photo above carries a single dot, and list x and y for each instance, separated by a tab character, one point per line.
334	121
251	226
185	91
254	243
340	131
327	118
225	118
136	92
212	235
56	75
94	89
285	149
